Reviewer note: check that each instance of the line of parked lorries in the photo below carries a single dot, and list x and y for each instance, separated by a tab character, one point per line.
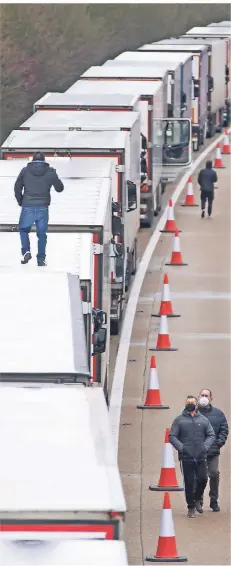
115	138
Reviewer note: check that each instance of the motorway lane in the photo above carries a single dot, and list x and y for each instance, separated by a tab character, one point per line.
203	360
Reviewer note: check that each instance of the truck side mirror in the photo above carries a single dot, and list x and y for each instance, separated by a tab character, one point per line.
99	317
100	340
226	74
116	225
196	88
210	84
132	196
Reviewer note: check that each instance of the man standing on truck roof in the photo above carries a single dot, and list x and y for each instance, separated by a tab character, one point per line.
32	192
206	179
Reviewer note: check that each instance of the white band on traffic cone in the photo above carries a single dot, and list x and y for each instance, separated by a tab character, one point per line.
176	244
166	293
166	524
163	324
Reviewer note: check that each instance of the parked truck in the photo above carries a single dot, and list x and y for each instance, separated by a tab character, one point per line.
42	335
80	242
199	96
175	137
179	68
58	472
118	147
51	550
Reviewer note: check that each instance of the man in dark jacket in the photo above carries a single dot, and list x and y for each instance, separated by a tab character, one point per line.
206	179
220	426
32	192
192	435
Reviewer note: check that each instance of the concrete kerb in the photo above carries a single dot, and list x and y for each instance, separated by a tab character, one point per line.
126	331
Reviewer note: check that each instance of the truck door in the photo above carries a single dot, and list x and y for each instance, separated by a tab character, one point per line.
177	142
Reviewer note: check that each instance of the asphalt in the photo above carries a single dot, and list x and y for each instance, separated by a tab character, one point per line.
201	293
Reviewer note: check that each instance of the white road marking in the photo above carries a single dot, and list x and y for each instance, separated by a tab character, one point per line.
125	337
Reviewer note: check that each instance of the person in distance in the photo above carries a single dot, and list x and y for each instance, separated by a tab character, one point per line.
192	435
220	425
206	179
32	192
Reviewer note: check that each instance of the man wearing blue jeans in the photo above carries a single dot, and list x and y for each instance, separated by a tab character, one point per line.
32	192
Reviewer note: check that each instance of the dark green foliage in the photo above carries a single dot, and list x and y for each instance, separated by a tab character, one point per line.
45	47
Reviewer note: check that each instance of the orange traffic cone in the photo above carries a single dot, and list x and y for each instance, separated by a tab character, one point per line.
163	340
153	400
218	163
226	146
166	548
189	199
170	225
176	258
168	480
166	304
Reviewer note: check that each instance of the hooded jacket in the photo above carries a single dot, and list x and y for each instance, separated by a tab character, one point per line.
206	178
34	182
192	436
220	426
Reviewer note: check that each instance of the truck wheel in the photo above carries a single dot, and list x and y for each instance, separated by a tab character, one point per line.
114	324
134	258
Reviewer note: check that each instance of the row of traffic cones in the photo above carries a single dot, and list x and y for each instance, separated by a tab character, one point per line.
166	547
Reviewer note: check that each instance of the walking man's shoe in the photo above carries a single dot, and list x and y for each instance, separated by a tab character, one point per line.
27	256
191	513
198	507
203	214
214	506
42	263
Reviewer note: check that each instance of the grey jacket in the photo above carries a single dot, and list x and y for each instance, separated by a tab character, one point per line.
206	179
192	436
33	185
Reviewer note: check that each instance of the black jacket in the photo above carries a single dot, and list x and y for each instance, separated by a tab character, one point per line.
206	179
191	436
220	426
33	185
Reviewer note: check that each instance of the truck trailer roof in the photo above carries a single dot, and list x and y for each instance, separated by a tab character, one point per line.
124	72
66	167
57	453
61	99
82	206
62	552
138	86
81	120
210	31
42	329
175	45
55	141
65	252
149	57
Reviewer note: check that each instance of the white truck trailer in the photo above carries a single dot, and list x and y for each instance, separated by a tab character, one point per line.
123	152
175	138
42	335
80	242
58	472
179	77
50	550
147	98
222	33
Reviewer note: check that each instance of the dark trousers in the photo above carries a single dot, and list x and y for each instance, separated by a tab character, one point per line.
214	475
207	196
37	215
194	490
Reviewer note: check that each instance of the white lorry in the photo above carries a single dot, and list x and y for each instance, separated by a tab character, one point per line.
200	93
79	242
58	470
179	68
147	98
51	550
117	147
42	335
222	33
175	137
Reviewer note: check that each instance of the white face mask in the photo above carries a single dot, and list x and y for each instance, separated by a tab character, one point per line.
203	401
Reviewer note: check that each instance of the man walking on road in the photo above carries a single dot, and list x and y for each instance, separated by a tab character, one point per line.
206	179
32	192
192	435
220	426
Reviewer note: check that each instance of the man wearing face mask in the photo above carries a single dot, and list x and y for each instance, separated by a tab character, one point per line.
192	436
220	426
